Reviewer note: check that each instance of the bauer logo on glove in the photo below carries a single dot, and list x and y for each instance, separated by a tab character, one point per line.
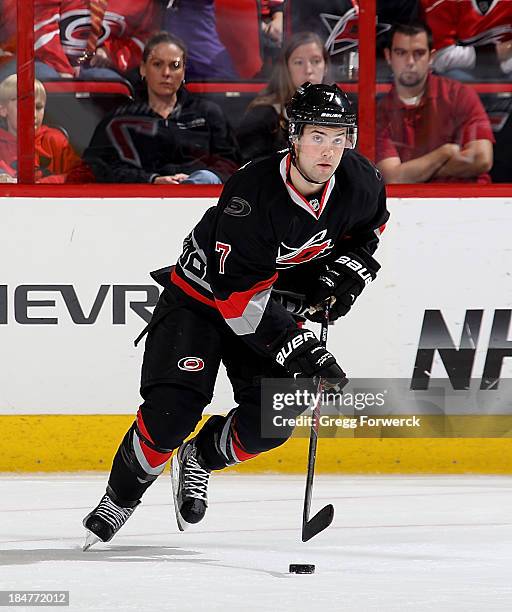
357	266
293	344
303	356
343	281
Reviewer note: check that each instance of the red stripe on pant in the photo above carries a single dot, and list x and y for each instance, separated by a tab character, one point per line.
238	449
153	457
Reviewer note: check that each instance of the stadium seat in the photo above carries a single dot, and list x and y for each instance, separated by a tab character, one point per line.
78	106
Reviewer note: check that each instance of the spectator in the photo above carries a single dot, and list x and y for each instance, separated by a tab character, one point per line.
172	138
470	38
194	21
429	128
92	39
55	157
272	22
337	24
263	129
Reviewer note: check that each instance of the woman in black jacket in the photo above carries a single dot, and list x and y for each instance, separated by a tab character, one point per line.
264	126
172	138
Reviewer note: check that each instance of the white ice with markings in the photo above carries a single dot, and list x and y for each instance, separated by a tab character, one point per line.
396	543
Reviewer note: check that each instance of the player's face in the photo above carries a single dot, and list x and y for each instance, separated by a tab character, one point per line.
409	58
306	63
319	151
164	69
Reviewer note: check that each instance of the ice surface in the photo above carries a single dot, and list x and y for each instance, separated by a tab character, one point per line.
397	543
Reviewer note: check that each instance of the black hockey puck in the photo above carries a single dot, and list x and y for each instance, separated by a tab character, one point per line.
301	568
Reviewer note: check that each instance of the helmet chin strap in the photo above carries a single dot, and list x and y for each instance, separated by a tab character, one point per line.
294	160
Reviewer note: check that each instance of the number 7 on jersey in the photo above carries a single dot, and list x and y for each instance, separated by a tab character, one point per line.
224	250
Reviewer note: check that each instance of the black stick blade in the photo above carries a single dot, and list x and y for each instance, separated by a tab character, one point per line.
317	523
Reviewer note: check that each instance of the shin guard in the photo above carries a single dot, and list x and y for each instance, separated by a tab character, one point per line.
219	445
137	463
148	459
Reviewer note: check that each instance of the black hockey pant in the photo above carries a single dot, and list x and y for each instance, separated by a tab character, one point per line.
184	348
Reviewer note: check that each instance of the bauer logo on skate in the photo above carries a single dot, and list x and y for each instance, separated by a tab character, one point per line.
191	364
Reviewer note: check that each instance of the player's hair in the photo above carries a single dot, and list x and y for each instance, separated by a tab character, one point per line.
9	89
280	88
163	37
413	28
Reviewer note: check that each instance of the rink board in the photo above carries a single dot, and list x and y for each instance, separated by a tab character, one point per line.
75	292
56	443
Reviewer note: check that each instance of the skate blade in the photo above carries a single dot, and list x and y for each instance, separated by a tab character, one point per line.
175	480
90	540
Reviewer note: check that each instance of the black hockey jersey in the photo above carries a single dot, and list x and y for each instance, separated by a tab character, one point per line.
265	239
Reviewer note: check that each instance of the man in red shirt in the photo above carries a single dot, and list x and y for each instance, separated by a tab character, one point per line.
429	128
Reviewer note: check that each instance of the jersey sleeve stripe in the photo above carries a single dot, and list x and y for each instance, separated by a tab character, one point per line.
189	290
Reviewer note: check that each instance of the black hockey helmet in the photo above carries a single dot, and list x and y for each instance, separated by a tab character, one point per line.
321	105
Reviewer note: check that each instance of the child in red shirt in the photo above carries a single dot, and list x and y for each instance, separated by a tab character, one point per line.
55	157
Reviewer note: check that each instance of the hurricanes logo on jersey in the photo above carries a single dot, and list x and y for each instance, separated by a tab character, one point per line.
191	364
316	246
75	26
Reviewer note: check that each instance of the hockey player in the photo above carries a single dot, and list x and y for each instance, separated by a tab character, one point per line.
289	232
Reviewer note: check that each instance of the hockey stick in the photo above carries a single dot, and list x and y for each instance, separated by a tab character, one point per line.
323	518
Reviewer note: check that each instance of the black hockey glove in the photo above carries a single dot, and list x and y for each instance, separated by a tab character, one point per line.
344	279
302	355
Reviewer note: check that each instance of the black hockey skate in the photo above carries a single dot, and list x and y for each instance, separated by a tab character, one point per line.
106	519
189	485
